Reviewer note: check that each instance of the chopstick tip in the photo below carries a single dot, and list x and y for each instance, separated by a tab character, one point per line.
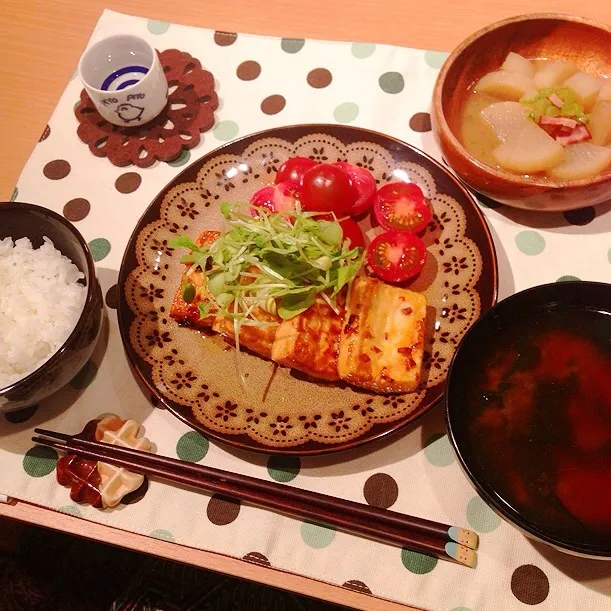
462	555
464	536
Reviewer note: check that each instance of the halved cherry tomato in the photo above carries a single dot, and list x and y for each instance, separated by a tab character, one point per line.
401	206
275	198
396	257
364	183
327	188
263	198
353	233
294	169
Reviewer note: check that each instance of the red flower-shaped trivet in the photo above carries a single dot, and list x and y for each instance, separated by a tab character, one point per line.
189	111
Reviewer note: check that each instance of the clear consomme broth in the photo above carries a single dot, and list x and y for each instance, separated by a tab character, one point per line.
476	134
540	417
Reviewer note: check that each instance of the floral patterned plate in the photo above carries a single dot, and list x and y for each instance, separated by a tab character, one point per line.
281	410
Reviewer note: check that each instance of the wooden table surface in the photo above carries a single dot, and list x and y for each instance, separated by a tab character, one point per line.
40	44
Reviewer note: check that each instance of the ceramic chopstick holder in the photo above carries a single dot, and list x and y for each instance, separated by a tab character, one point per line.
124	79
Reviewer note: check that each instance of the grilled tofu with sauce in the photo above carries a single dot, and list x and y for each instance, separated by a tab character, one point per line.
375	342
188	313
309	341
382	339
257	339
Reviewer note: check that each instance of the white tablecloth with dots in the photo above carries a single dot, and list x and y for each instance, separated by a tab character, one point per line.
265	82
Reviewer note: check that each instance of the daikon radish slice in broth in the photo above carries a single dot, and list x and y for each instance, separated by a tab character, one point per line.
552	73
504	85
586	88
518	64
530	94
600	123
505	118
582	160
529	150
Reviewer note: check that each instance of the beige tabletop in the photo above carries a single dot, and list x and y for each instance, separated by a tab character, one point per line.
40	43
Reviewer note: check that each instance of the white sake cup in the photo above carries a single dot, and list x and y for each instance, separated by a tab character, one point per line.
124	79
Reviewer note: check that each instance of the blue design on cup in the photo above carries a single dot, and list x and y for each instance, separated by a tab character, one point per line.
125	84
113	81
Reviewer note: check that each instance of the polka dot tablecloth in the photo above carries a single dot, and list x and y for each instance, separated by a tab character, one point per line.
262	83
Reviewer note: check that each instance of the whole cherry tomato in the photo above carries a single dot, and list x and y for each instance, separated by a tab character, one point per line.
294	169
364	183
328	188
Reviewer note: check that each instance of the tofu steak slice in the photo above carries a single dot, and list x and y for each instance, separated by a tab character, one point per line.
187	313
382	339
309	341
257	339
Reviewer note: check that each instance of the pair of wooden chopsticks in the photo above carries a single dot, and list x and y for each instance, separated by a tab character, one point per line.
417	534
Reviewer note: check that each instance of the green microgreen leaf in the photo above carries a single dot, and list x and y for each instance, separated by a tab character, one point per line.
188	292
293	304
216	283
182	241
204	309
330	232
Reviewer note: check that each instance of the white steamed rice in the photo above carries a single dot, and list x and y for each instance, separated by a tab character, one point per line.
40	304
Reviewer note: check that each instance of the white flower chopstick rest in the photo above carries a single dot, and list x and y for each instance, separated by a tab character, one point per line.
116	482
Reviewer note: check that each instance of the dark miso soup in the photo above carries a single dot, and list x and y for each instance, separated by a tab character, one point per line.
541	422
